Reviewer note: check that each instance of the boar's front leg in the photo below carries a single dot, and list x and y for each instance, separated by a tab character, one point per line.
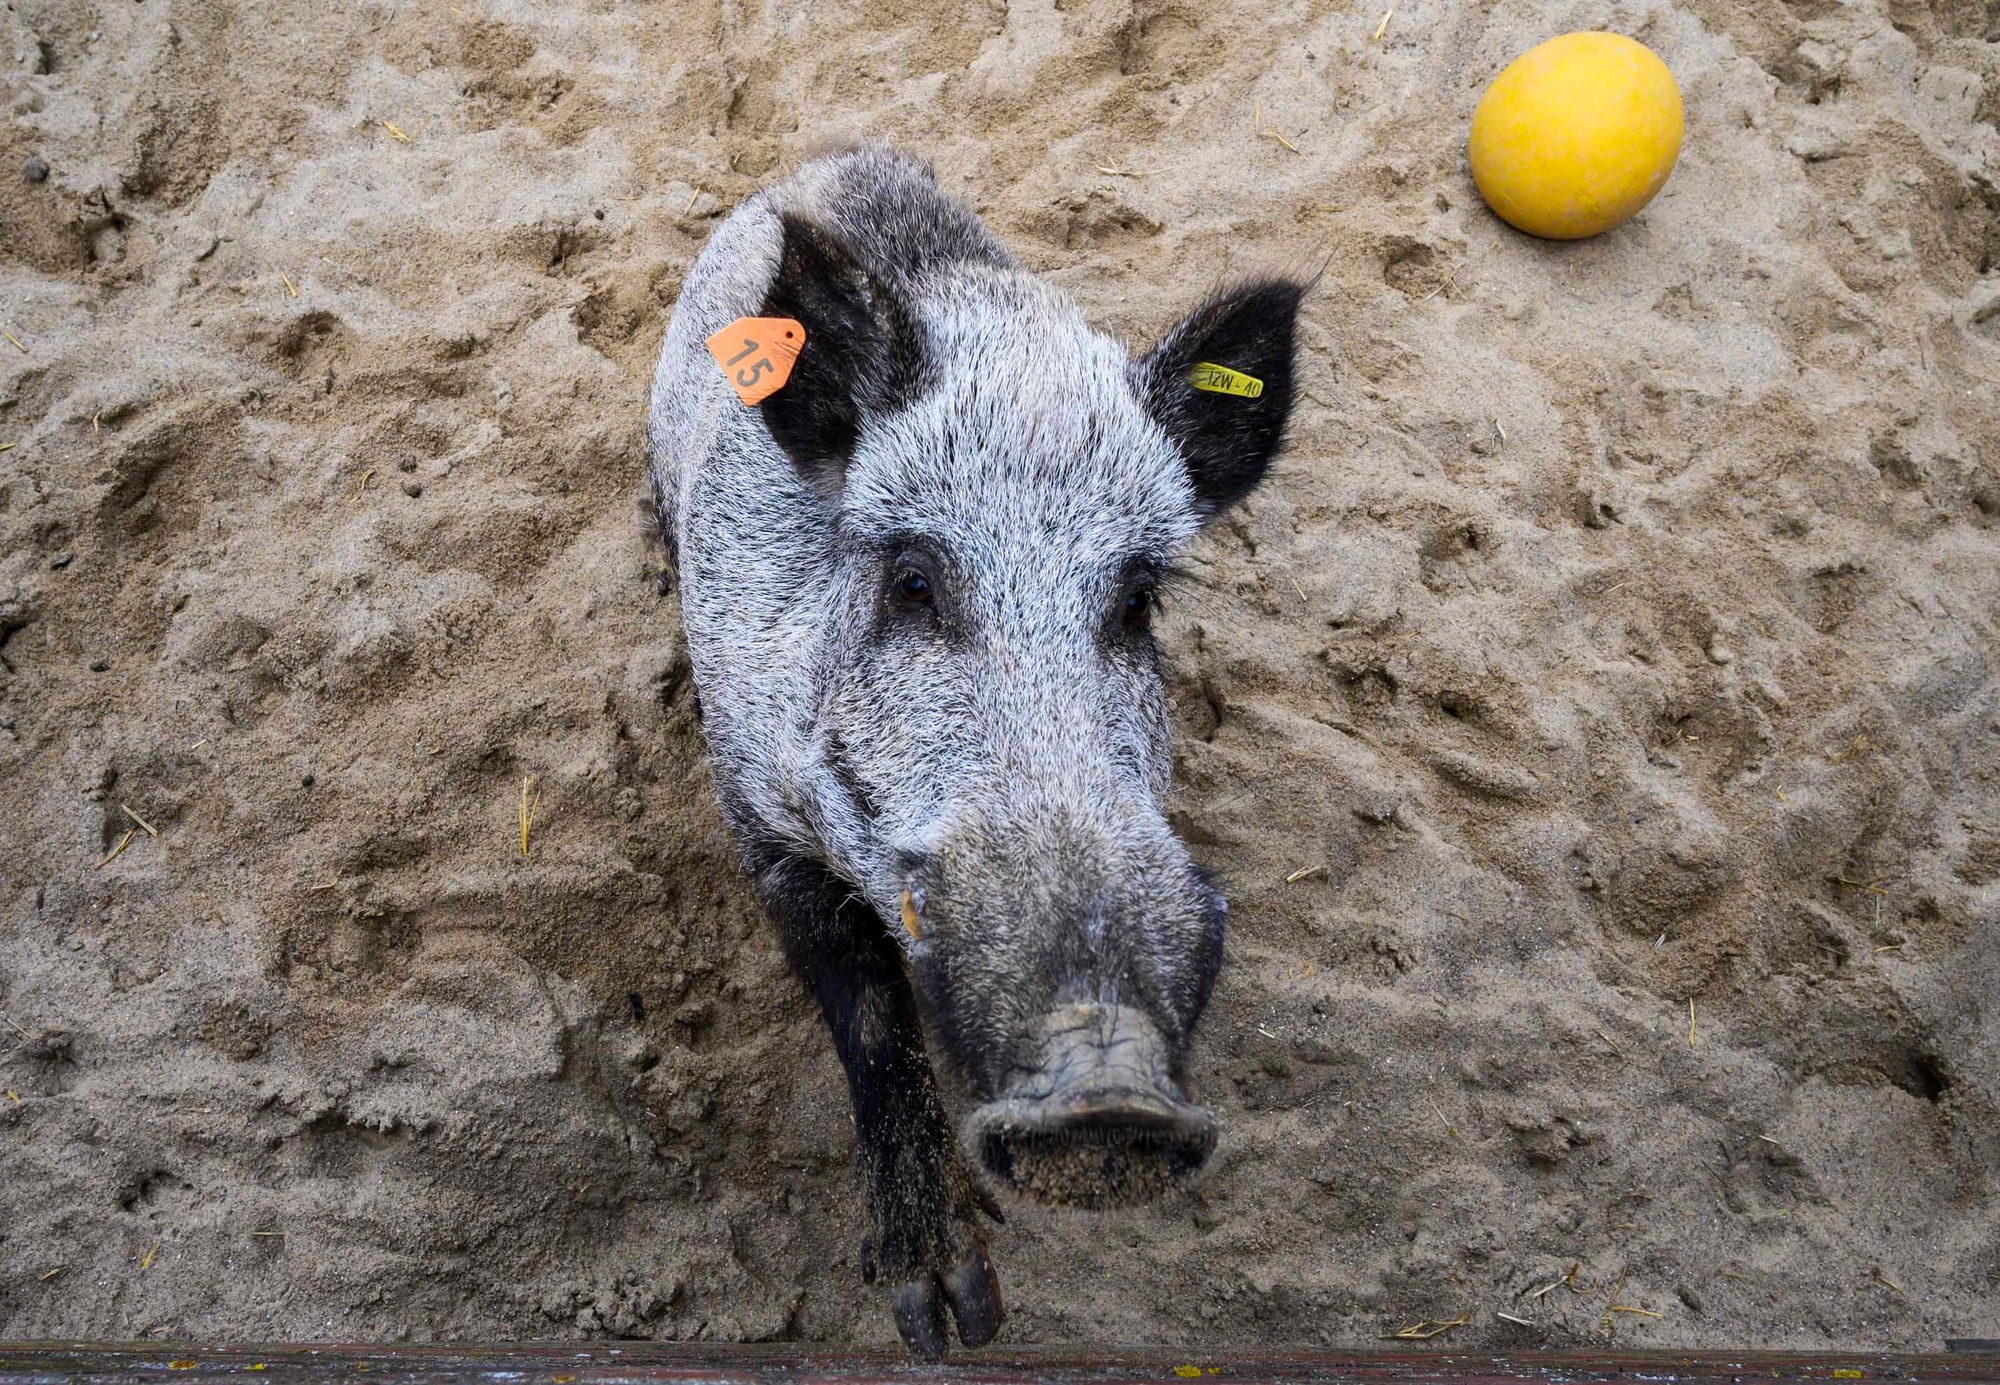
922	1205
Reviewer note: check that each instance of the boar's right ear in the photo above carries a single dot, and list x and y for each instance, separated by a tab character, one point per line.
860	356
1227	439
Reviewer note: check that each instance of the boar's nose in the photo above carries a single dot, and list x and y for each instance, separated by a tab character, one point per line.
1095	1119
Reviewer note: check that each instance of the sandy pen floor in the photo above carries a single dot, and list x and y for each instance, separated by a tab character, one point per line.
1595	717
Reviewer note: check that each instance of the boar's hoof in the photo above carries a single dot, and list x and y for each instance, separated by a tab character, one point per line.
973	1291
1095	1120
920	1317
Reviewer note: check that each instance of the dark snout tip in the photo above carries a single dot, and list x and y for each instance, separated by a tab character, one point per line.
1107	1147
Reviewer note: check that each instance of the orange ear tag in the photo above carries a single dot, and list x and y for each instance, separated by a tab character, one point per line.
756	355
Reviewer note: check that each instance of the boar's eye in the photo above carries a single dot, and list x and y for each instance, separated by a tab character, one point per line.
913	584
910	587
1140	603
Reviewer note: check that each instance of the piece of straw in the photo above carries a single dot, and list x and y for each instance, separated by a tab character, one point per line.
1441	287
123	842
528	811
1886	1282
1423	1330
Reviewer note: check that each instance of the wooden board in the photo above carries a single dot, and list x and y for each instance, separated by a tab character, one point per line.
597	1363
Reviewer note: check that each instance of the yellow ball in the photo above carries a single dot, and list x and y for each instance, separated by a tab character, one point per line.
1576	135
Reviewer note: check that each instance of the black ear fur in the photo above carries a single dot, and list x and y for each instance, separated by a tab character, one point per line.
1227	442
860	355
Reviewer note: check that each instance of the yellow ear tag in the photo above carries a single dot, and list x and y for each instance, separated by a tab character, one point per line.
910	917
756	355
1220	379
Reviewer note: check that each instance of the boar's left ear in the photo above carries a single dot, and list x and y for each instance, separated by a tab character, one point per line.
860	356
1226	438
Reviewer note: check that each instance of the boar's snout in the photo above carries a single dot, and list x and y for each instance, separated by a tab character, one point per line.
1098	1120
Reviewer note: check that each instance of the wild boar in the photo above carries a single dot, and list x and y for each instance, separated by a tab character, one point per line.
918	582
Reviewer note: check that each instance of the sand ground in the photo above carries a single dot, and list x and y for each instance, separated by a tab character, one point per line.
1618	643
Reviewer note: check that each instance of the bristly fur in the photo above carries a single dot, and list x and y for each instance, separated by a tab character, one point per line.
990	741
